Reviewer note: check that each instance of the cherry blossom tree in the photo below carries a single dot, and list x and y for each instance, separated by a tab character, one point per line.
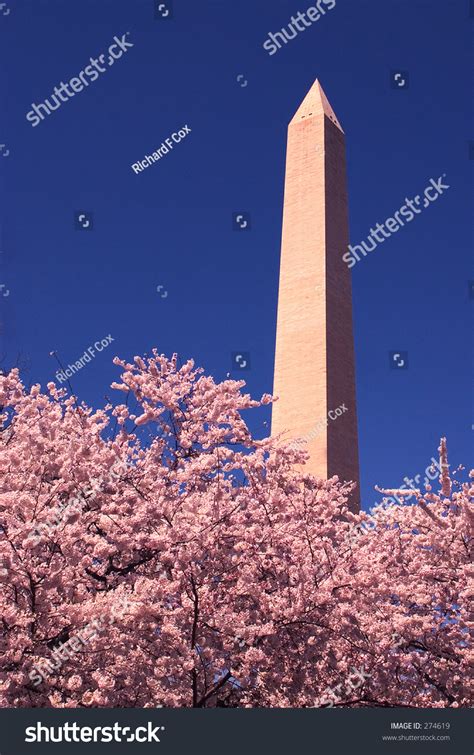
153	553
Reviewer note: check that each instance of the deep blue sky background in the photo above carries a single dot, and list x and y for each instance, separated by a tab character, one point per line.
172	224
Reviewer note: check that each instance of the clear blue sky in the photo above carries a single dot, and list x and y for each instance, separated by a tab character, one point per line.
171	225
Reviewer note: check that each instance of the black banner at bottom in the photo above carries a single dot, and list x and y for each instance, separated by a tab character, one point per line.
400	731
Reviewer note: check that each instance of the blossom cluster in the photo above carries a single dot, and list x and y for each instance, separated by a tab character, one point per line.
76	503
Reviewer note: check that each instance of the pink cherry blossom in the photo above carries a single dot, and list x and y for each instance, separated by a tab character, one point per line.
202	567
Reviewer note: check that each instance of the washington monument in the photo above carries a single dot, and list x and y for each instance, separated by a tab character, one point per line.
314	359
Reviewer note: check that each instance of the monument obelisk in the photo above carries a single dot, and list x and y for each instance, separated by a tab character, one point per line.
314	359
